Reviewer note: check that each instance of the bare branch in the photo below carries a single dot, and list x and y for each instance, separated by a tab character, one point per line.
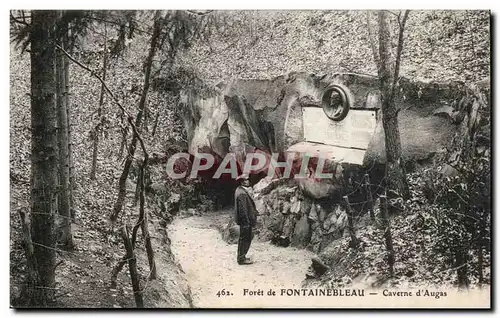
371	37
23	22
399	50
124	111
116	23
391	12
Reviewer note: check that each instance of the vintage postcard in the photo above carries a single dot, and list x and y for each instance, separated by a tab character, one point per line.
250	159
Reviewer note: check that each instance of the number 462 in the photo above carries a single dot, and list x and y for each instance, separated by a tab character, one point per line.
223	292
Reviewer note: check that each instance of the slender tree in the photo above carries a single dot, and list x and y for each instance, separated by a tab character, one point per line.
98	128
44	154
138	120
386	225
172	31
354	242
64	197
388	71
372	38
69	44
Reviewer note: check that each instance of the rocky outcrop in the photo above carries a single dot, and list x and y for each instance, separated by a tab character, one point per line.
263	114
289	217
231	233
421	137
240	116
310	214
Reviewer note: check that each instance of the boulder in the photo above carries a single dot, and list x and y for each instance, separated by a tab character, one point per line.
321	213
305	206
316	239
288	226
373	99
231	232
318	189
268	185
275	203
293	128
261	206
318	266
295	208
286	193
265	114
172	205
332	253
265	235
285	207
280	240
329	222
261	185
274	222
445	112
301	233
205	118
421	136
313	213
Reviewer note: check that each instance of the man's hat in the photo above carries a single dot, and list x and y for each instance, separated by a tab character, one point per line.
242	176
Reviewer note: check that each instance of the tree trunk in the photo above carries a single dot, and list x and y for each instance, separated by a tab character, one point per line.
481	242
369	197
138	121
123	143
71	167
480	261
138	187
386	224
132	264
64	222
98	128
395	171
117	269
354	243
43	153
372	38
144	223
28	292
461	265
155	124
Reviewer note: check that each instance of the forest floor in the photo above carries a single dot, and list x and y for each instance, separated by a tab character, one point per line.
83	274
210	265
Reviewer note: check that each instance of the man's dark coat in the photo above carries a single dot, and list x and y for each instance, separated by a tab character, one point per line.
245	210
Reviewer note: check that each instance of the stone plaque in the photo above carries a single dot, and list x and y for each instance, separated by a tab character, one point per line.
355	131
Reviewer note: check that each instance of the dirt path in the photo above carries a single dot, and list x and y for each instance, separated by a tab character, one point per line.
210	266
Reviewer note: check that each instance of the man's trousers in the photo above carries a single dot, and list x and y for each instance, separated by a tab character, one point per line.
244	241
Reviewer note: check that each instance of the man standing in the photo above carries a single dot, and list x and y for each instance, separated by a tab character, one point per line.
245	217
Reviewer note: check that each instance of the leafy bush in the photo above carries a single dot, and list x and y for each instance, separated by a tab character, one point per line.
454	200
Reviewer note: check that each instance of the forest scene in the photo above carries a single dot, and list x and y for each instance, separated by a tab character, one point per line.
133	134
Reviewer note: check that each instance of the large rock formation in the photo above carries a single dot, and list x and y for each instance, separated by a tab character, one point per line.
288	217
240	116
